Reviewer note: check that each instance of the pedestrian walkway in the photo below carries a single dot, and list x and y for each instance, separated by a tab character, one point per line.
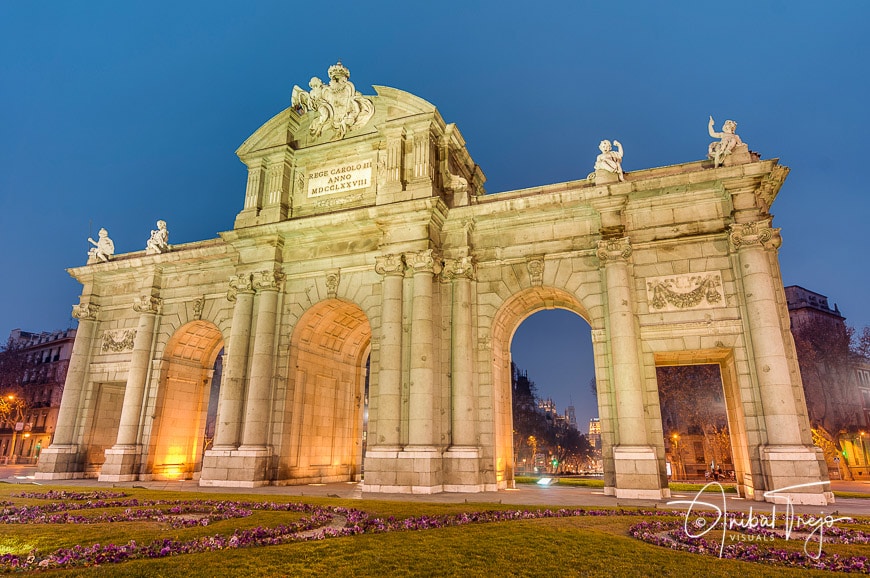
525	494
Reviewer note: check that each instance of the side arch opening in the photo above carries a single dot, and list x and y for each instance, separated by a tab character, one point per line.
182	406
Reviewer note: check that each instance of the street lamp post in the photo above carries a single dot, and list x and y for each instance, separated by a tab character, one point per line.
677	457
864	448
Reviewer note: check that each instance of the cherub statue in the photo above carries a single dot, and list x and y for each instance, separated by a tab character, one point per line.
102	249
610	160
159	240
718	150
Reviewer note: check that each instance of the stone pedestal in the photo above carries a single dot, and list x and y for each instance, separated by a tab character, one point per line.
739	156
792	473
414	470
637	474
235	468
121	465
462	470
59	462
605	177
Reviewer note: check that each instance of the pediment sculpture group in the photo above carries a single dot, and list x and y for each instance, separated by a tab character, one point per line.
104	248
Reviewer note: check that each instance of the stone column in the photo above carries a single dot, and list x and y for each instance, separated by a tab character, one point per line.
634	457
461	460
786	460
464	420
232	391
122	459
268	283
64	431
421	409
58	461
390	359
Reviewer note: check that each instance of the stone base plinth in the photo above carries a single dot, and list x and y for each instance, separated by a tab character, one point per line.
794	474
59	463
413	470
605	177
245	467
121	465
637	474
462	470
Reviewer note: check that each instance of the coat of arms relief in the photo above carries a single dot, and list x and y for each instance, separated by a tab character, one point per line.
338	103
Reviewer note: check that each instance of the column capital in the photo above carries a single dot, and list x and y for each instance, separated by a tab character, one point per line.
755	233
389	265
427	261
268	280
147	304
240	284
612	250
86	311
462	268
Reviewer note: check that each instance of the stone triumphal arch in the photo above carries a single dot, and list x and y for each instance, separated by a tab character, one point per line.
366	297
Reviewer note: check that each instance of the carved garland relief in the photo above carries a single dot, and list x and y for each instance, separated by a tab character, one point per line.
118	341
680	292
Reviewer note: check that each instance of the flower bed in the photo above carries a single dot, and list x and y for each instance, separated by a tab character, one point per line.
662	528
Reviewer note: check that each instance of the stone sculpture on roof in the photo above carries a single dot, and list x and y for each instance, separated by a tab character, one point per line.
159	240
609	161
729	141
338	103
103	248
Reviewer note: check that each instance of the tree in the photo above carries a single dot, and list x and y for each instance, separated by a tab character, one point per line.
826	349
861	344
691	399
13	367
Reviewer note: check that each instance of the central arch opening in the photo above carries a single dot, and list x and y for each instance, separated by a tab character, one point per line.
326	406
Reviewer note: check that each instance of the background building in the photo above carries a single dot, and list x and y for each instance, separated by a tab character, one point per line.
34	369
836	382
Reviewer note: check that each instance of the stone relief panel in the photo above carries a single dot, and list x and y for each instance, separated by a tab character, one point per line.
117	341
682	292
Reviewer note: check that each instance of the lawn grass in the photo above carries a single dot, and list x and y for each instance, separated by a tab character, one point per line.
596	483
587	545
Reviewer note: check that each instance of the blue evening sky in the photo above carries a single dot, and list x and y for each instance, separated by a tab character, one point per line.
116	114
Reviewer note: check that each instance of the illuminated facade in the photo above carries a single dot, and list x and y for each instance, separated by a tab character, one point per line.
366	237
